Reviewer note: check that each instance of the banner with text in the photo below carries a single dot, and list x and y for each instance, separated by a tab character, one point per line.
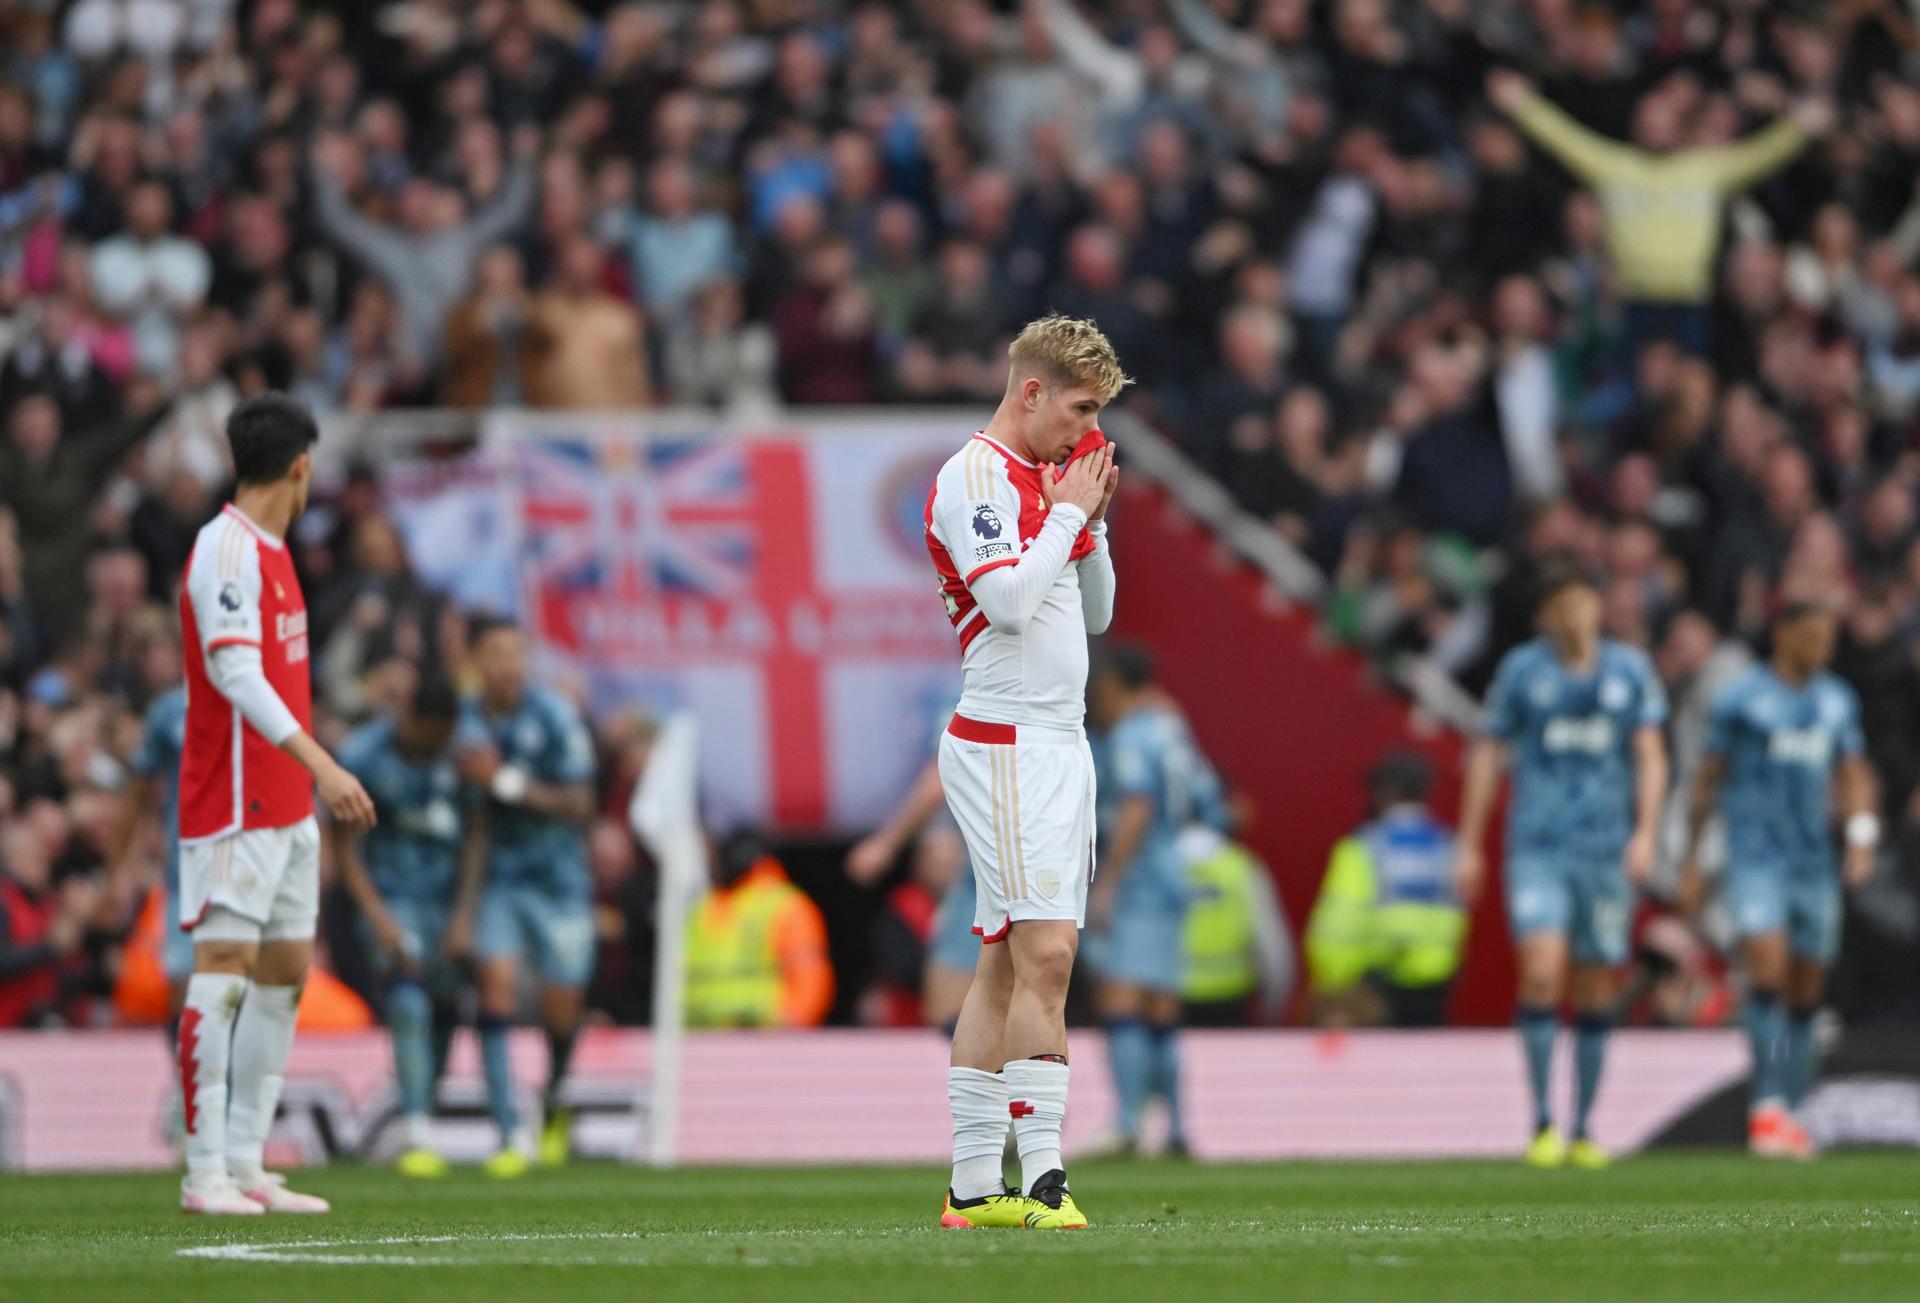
774	581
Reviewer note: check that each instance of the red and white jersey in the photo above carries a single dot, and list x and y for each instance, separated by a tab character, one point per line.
241	588
984	510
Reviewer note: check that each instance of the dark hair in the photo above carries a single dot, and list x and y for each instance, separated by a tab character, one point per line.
483	623
1400	776
1558	574
1130	663
434	698
267	433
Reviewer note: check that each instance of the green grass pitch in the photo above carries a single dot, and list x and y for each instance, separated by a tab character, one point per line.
1696	1227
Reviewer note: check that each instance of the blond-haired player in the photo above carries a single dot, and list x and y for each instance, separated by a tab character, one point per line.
1022	556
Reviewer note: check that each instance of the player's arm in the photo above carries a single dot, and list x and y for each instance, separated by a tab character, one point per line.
1706	790
1485	759
143	798
468	881
362	889
226	606
1130	825
1649	795
1859	808
872	854
563	787
1010	591
570	801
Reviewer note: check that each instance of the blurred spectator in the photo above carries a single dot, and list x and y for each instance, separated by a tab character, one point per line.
41	925
484	336
756	945
904	926
151	277
1239	952
1386	933
678	244
717	358
824	326
583	347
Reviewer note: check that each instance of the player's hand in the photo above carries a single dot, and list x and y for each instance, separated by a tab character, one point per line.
1469	874
1638	860
457	943
1083	483
478	764
870	858
1100	905
1106	500
1693	889
1859	865
345	799
1508	90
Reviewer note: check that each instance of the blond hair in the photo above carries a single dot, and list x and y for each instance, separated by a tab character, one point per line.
1066	352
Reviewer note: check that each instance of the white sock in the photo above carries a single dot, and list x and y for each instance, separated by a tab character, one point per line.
1037	1102
262	1039
979	1102
419	1131
205	1045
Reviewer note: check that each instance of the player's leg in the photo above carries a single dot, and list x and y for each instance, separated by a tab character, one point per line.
977	1095
223	956
1163	1010
564	953
1042	951
410	1026
498	943
1757	900
1122	1005
1597	948
1813	940
976	1081
1540	909
263	1033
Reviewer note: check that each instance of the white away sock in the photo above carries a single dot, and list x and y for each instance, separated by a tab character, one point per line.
979	1102
262	1039
1037	1102
205	1045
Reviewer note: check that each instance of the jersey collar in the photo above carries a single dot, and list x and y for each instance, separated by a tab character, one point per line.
1005	451
259	533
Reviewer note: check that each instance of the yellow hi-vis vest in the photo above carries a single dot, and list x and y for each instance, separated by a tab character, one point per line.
1220	962
1387	907
733	974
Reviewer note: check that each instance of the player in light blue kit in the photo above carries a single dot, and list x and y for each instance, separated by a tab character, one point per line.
529	751
1775	739
157	763
1581	718
417	871
1153	785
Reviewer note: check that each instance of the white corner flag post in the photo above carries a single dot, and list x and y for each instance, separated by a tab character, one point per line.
665	815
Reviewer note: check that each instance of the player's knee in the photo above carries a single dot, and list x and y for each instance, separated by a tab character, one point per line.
234	957
1046	967
1540	988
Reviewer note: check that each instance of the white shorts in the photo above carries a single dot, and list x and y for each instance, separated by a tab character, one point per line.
1023	797
267	877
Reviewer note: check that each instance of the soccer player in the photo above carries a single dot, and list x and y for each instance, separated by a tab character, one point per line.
249	846
420	869
1775	738
156	762
529	751
1022	557
1581	717
1154	783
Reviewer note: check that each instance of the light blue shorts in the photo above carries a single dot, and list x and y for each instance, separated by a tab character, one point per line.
953	943
1144	944
1592	906
1806	906
551	929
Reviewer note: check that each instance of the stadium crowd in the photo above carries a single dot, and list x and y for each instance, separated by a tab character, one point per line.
1436	288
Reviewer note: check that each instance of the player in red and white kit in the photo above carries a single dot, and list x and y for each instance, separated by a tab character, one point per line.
1022	556
249	847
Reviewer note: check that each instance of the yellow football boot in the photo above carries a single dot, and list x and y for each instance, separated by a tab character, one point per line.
507	1165
1547	1149
1001	1209
1053	1207
556	1138
421	1165
1588	1157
